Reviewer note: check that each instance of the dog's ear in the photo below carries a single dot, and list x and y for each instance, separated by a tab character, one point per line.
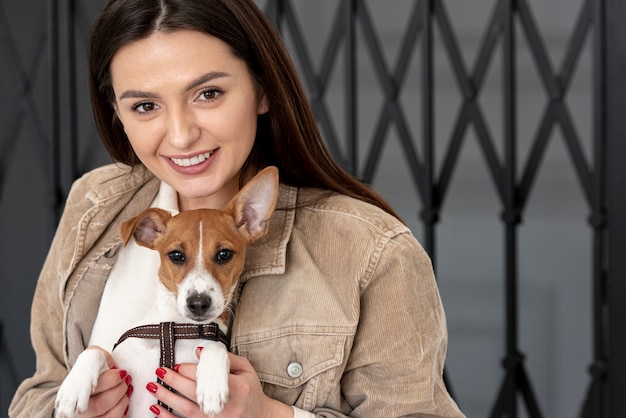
254	204
145	227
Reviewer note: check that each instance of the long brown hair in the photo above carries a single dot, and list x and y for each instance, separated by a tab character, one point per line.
287	136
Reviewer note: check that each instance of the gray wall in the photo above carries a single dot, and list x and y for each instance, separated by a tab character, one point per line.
555	239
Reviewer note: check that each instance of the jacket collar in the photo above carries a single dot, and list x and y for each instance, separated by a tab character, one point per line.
268	255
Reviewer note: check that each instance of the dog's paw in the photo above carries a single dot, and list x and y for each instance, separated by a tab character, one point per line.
73	395
212	393
212	381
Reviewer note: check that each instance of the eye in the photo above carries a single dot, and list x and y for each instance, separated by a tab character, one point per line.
176	256
224	256
209	95
144	107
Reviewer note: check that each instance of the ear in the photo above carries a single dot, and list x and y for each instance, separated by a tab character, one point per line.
253	205
146	227
263	106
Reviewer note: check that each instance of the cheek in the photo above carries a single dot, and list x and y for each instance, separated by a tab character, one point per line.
144	136
169	279
142	140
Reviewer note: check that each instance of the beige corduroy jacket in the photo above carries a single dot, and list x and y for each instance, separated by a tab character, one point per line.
337	287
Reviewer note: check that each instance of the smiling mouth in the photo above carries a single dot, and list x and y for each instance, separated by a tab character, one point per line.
188	162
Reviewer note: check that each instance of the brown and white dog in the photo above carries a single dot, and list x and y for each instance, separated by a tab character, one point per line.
202	255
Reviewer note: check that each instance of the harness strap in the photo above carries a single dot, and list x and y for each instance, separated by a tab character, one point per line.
167	333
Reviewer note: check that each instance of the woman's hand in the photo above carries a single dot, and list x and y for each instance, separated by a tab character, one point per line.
110	397
246	397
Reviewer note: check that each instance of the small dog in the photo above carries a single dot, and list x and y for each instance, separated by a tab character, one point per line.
202	255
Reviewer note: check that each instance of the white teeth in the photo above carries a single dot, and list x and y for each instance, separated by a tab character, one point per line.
187	162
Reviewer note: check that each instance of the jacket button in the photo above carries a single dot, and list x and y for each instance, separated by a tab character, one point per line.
294	369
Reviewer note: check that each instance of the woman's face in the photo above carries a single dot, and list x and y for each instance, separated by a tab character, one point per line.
189	108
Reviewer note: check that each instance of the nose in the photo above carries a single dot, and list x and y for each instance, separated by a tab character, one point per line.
198	304
183	128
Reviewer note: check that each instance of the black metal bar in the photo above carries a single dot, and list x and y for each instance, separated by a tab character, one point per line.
25	104
316	86
512	216
392	111
54	109
598	369
430	204
8	365
69	87
453	151
615	61
469	88
274	10
351	77
556	92
537	152
506	404
516	381
538	50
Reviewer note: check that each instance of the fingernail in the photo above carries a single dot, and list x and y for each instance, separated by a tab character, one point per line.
123	374
129	391
127	380
152	387
126	411
160	372
155	410
176	367
200	348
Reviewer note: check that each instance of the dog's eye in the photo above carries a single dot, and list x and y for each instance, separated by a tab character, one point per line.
224	256
176	257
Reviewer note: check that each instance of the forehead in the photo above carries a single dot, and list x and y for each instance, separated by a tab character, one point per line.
213	224
172	57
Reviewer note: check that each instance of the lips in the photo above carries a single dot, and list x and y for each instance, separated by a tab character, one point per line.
195	160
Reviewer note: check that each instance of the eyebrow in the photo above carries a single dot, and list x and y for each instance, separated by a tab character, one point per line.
205	78
194	83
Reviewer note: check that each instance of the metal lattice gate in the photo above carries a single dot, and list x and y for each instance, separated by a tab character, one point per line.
62	141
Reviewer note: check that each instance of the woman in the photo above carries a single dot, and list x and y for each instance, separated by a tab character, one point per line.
338	314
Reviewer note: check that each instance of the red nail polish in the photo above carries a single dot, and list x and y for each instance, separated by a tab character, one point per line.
160	372
127	380
152	387
176	367
123	374
155	410
129	391
126	411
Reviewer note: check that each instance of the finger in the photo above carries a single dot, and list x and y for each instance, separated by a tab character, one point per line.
187	370
107	355
184	385
113	399
239	364
162	412
111	379
121	409
183	405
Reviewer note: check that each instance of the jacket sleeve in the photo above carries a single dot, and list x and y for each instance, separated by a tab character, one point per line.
35	396
396	363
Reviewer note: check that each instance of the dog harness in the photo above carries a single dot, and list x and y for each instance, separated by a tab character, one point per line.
168	333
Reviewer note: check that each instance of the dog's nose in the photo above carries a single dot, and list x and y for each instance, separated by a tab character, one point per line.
198	304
